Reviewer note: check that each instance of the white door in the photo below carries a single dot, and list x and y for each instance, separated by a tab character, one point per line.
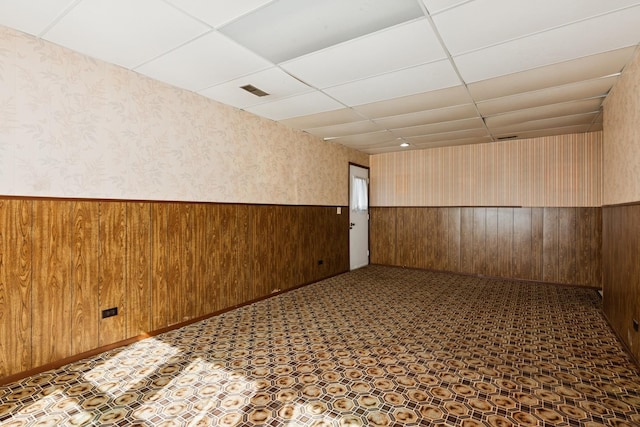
358	216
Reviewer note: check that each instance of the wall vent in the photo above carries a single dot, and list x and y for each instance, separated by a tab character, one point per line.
502	138
254	90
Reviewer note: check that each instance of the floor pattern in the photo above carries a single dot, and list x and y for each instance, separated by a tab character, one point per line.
377	346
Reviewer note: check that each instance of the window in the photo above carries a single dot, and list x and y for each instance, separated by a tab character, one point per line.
359	196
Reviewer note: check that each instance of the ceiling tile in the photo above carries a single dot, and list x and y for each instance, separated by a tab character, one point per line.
273	81
457	112
581	90
345	129
449	136
299	105
552	131
608	32
443	127
550	123
464	28
453	142
374	54
366	139
442	98
410	81
435	6
545	112
124	32
344	115
23	16
189	67
589	67
286	29
218	12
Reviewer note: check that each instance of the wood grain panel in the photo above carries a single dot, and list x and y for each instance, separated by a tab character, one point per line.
264	250
479	241
453	239
112	270
537	243
202	270
160	302
243	241
567	245
440	233
228	255
467	248
383	235
85	217
505	240
492	267
212	281
51	273
15	286
550	246
522	245
139	264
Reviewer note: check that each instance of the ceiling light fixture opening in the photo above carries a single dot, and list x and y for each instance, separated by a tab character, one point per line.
404	144
254	90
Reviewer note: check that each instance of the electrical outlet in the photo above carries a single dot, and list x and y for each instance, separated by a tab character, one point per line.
110	312
320	262
635	325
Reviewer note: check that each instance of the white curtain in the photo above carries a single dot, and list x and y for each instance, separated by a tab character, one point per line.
359	197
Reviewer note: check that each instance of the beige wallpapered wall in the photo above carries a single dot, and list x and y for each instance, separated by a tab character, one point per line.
552	171
72	126
622	138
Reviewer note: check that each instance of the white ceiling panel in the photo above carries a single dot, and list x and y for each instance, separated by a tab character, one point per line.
299	105
345	129
124	32
436	6
464	28
366	139
608	32
218	12
449	136
550	123
410	81
438	115
197	65
452	142
581	90
287	29
442	98
545	112
29	17
273	81
344	115
553	131
378	53
443	127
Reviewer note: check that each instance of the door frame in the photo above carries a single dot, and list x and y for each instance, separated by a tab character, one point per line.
368	211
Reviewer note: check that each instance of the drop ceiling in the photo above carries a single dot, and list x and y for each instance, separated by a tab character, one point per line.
369	74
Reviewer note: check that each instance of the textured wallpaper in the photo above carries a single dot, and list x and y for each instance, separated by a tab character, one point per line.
622	138
552	171
72	126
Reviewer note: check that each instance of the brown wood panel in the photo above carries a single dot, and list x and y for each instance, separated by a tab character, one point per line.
567	245
492	267
15	286
264	248
160	302
588	244
440	238
212	282
242	254
405	232
383	235
51	273
202	270
596	248
112	270
537	243
228	255
550	246
181	262
505	241
522	244
306	257
467	247
139	264
453	239
479	241
85	217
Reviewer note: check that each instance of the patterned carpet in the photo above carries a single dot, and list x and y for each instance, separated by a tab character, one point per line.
377	346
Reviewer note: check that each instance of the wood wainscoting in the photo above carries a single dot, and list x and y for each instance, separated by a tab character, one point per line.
621	272
559	245
160	263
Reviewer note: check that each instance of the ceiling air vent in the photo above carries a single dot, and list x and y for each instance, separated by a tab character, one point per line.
502	138
254	90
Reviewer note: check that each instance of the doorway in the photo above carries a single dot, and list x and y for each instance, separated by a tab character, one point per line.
358	217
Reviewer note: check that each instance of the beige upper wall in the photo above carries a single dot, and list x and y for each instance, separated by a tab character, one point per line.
622	138
72	126
552	171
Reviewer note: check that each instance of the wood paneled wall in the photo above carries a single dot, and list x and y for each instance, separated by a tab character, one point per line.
561	245
621	272
64	261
